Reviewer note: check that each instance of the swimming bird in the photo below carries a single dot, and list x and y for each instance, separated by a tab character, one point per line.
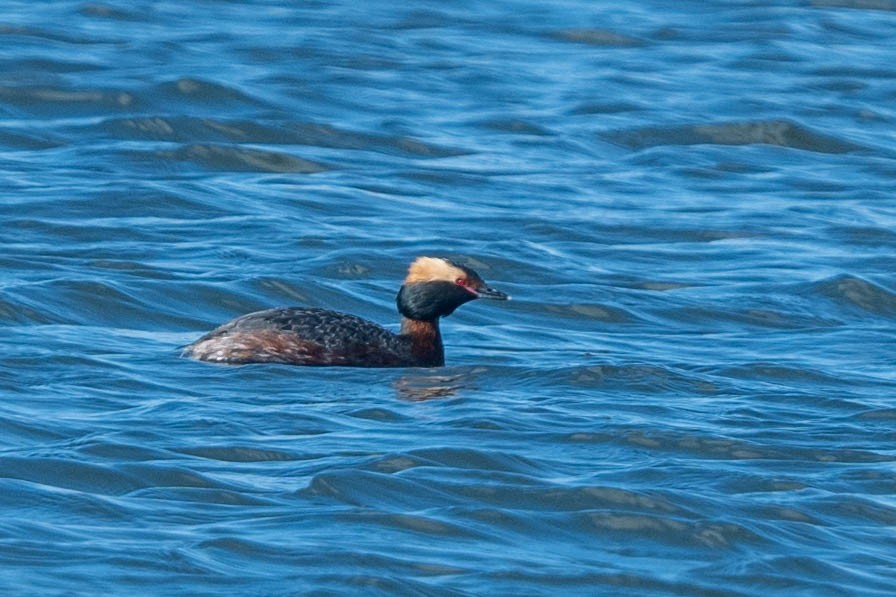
434	288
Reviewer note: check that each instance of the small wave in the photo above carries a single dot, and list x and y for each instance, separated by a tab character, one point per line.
606	108
577	499
190	129
106	11
58	101
377	414
597	37
515	126
854	292
18	311
238	159
870	236
70	474
27	141
773	372
726	448
45	34
370	489
239	454
886	5
751	316
637	377
593	312
474	459
674	531
764	132
203	93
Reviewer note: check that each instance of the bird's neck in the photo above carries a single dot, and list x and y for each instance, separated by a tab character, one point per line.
426	341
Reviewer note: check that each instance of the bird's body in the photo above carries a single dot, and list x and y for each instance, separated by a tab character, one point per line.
433	288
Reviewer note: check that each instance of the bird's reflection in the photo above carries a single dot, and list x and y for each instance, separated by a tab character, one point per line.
428	386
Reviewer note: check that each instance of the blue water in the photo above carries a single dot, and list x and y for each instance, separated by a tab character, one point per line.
692	204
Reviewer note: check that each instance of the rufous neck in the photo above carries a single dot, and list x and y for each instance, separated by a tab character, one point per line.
426	341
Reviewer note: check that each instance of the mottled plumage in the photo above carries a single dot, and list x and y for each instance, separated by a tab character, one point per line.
434	288
303	337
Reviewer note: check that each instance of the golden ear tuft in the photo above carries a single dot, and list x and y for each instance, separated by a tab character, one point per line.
433	269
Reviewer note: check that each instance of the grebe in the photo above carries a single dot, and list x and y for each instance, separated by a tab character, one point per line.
434	287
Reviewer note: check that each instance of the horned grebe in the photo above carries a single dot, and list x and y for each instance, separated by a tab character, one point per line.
434	287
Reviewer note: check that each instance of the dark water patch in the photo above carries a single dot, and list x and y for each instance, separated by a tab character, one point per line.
415	524
606	108
586	499
194	129
24	495
592	312
229	158
210	496
20	429
857	510
648	284
70	474
787	573
203	93
770	132
856	293
58	101
83	301
867	236
776	372
726	448
142	204
637	377
608	581
418	148
319	557
750	316
17	311
395	463
878	414
672	531
886	5
840	85
375	490
869	482
865	71
114	13
443	178
474	459
324	568
67	237
759	484
122	452
517	127
383	415
153	475
43	70
28	33
239	454
28	141
598	37
424	19
668	234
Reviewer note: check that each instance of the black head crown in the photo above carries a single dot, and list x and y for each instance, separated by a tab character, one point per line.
435	287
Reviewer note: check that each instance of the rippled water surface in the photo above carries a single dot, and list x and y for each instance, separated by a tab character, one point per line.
691	203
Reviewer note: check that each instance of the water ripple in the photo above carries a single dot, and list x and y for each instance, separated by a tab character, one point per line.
775	132
691	392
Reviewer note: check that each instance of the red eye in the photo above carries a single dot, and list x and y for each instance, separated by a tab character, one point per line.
461	282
